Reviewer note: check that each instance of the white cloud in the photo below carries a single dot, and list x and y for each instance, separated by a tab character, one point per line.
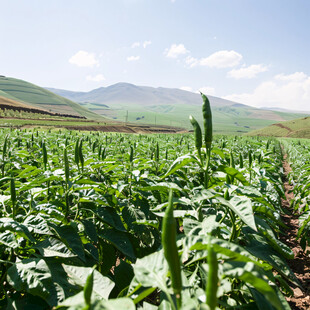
84	59
95	78
191	61
135	44
249	72
207	90
283	91
175	51
187	88
222	59
146	43
295	77
133	58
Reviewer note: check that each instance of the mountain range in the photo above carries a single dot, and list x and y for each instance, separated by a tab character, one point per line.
172	106
141	105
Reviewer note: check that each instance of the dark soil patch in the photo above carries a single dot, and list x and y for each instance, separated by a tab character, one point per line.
300	265
282	126
22	108
123	129
63	118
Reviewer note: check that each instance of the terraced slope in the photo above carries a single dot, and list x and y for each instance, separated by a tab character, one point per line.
297	128
30	95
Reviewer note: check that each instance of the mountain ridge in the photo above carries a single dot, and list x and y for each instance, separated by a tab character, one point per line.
172	106
174	95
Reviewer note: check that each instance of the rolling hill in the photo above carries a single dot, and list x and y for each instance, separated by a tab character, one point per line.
297	128
21	94
172	106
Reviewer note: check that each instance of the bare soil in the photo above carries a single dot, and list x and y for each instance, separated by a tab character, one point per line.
300	265
118	128
284	127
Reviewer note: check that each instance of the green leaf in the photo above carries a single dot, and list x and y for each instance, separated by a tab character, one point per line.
8	224
204	194
163	186
36	277
9	240
259	248
233	172
152	270
115	304
102	286
109	216
255	276
69	235
38	225
304	220
242	206
90	230
52	247
178	164
228	250
279	246
120	240
77	303
123	275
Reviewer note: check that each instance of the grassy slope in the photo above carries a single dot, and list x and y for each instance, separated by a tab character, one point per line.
297	128
38	97
234	120
11	102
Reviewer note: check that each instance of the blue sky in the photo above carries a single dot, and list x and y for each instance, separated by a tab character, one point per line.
253	52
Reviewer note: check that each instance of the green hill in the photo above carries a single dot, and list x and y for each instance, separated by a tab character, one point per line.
33	96
297	128
171	107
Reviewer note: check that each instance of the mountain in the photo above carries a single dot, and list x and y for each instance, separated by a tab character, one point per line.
24	95
172	106
297	128
284	110
125	93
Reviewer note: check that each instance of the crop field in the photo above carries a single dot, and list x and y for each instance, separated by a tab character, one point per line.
298	155
118	221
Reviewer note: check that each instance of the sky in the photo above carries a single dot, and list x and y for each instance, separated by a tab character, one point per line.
252	52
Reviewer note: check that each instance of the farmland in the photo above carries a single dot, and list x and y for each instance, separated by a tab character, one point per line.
297	128
84	220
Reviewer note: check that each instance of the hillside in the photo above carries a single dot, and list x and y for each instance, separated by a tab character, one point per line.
19	93
297	128
172	106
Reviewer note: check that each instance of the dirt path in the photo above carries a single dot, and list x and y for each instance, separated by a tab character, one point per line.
284	127
300	265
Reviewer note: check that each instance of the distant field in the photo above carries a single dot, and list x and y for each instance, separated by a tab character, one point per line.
227	120
297	128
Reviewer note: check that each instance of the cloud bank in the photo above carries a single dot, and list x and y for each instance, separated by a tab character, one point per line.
84	59
282	91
